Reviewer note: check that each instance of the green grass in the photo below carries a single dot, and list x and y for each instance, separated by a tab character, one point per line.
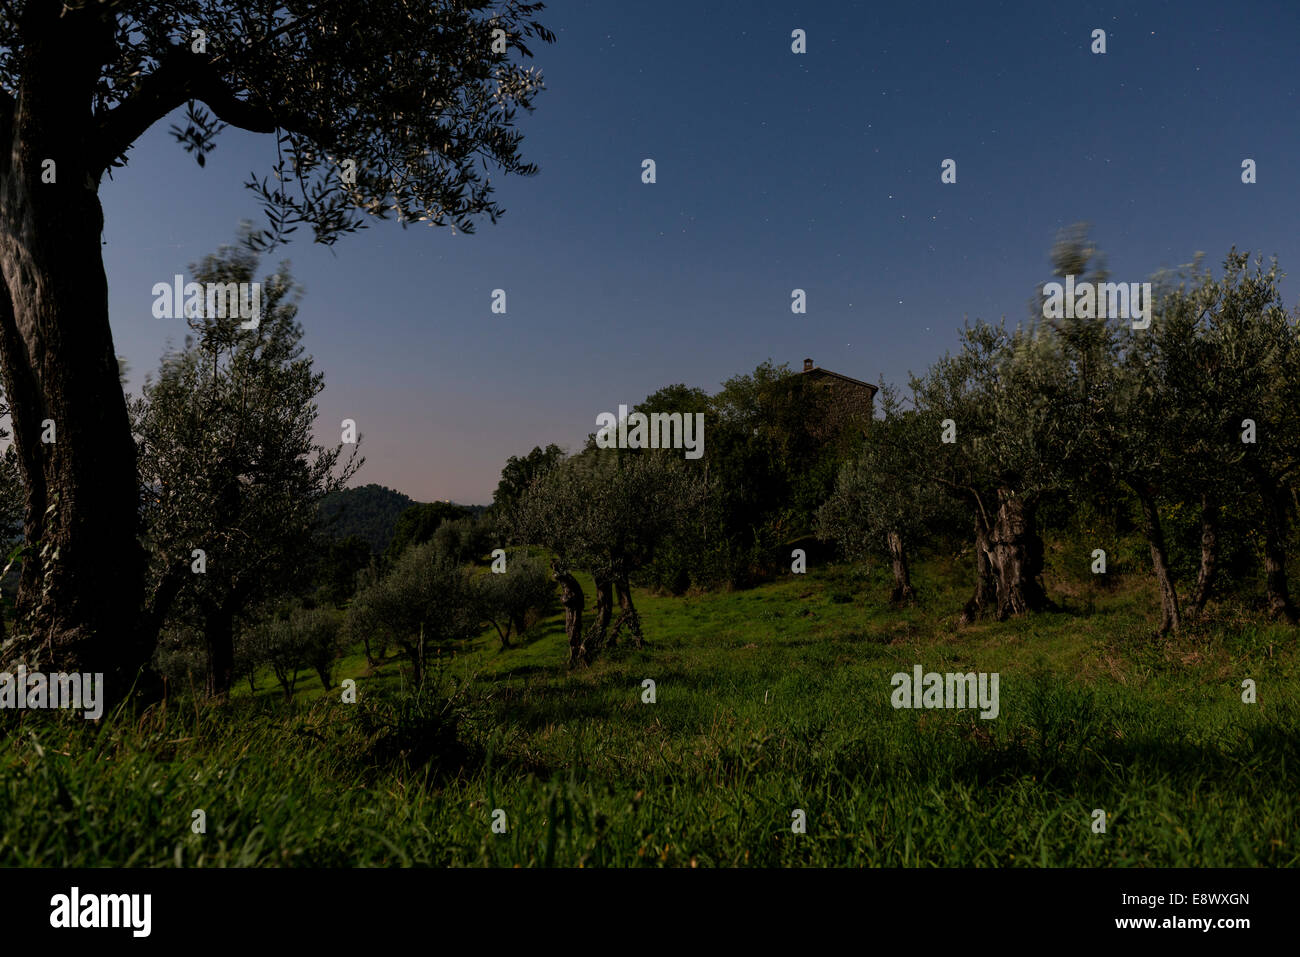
768	700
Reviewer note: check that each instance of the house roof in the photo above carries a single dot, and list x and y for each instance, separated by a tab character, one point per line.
818	370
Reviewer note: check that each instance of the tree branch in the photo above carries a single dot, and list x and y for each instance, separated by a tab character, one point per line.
157	94
226	106
180	77
164	597
256	47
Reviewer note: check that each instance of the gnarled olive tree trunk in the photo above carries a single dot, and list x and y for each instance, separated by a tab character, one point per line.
572	599
219	637
1276	525
986	587
903	590
1170	616
1017	556
600	633
1209	552
629	616
82	575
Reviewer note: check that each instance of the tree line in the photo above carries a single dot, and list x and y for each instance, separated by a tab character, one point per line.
1188	425
1182	433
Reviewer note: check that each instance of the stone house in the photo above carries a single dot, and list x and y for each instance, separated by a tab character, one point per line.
850	402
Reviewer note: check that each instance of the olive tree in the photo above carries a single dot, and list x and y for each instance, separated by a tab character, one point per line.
607	511
291	639
882	502
371	109
230	473
509	600
424	599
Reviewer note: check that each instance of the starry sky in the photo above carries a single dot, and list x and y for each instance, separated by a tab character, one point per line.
775	171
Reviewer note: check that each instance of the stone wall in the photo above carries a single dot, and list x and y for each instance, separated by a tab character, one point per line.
848	405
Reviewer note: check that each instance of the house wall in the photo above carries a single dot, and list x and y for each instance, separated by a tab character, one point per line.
849	405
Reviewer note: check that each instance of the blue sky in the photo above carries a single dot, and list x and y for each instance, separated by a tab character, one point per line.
819	171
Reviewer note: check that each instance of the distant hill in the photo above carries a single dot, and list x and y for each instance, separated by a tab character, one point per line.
369	512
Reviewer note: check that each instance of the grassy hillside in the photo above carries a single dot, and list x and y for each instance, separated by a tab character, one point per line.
768	701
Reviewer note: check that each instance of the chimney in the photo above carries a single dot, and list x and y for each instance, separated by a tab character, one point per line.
807	365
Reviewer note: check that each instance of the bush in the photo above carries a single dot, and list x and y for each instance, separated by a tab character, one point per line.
411	729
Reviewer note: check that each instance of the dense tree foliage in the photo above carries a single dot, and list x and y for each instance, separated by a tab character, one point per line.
417	525
291	639
1179	428
370	512
519	473
339	563
772	451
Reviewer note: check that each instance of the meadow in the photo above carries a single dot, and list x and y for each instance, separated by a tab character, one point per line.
767	700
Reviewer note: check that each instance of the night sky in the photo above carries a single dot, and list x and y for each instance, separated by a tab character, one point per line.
775	171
